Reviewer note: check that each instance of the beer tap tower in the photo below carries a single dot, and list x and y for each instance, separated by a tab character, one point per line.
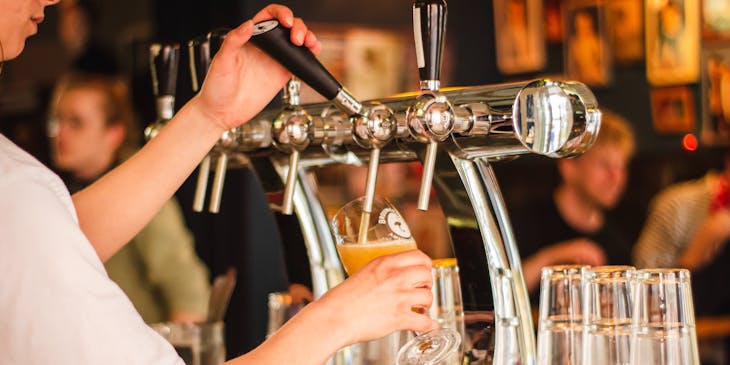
456	134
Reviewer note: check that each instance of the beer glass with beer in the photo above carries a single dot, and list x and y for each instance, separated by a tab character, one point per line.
364	236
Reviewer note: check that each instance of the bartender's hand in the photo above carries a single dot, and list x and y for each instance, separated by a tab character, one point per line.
378	299
242	79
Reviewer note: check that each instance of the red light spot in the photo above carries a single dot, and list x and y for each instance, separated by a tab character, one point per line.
689	142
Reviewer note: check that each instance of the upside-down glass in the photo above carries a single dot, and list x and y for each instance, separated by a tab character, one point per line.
607	310
560	326
362	237
663	328
200	343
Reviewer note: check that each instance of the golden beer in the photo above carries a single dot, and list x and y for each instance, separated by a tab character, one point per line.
355	256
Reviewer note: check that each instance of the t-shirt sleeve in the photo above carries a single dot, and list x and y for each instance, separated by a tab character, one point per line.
58	306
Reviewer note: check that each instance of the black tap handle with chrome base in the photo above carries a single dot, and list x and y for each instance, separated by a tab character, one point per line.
164	59
275	40
429	27
431	118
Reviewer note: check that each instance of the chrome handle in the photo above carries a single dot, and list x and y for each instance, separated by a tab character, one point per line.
371	180
219	178
287	205
201	185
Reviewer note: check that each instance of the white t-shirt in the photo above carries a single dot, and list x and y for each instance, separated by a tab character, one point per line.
57	304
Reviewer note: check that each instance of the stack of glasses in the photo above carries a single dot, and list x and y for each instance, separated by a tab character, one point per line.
616	315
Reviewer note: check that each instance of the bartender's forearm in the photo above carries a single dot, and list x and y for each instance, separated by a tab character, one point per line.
309	338
116	207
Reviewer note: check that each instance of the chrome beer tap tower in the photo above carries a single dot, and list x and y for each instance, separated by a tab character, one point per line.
457	134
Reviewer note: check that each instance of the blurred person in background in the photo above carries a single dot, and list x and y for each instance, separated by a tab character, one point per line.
77	28
688	226
572	227
92	130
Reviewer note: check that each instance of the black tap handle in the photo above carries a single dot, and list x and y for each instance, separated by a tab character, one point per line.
200	56
201	50
275	40
216	38
429	28
164	59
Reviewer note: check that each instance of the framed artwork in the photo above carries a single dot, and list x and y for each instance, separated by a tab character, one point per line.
672	41
672	109
520	36
587	55
553	21
716	19
716	95
369	62
375	62
626	26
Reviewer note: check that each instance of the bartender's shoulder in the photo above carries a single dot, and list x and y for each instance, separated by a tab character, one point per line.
19	168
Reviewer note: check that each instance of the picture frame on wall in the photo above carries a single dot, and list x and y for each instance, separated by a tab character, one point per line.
586	48
370	61
626	24
553	21
520	37
672	41
672	110
716	19
716	95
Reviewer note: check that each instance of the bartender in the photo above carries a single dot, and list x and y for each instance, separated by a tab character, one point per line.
59	306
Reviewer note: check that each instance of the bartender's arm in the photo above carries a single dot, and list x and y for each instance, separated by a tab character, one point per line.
240	82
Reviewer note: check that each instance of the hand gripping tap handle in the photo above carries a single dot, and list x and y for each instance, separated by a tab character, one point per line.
275	40
432	117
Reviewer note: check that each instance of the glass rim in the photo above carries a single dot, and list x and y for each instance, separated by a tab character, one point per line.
360	199
667	275
564	270
610	271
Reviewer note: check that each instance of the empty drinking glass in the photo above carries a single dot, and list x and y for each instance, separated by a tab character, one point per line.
663	330
200	343
607	315
561	315
447	308
364	236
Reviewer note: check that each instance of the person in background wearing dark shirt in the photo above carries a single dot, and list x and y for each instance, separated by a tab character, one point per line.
572	228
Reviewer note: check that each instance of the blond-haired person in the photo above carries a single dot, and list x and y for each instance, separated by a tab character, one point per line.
572	227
